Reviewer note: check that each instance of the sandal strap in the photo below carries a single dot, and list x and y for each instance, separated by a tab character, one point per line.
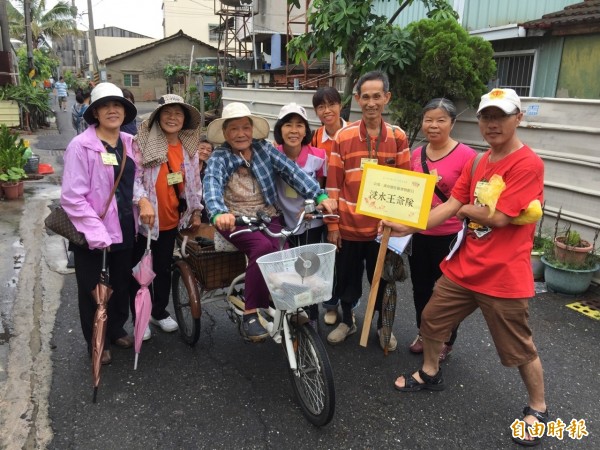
541	416
428	379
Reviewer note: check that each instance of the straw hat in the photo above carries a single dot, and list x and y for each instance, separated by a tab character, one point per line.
106	92
237	111
172	99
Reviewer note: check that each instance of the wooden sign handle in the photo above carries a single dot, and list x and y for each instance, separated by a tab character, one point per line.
364	337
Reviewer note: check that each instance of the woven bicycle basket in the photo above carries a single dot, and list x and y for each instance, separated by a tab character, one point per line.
213	269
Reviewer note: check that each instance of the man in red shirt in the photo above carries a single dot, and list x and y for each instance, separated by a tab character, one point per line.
491	268
367	140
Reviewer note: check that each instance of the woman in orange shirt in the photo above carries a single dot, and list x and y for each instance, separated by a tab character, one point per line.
168	192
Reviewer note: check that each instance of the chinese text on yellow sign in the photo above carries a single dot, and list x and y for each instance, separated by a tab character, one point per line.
396	195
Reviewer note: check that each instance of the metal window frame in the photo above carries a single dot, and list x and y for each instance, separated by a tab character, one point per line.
131	79
519	53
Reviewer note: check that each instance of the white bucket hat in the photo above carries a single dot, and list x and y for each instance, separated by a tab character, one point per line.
172	99
236	110
106	92
505	99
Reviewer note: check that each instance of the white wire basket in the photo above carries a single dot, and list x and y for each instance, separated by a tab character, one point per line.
300	276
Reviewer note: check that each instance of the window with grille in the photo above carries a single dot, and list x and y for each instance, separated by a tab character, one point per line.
515	70
131	80
213	32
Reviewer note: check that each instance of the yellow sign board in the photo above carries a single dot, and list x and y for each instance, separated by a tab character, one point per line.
396	195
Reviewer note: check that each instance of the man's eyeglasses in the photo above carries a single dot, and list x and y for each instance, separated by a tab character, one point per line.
322	107
494	117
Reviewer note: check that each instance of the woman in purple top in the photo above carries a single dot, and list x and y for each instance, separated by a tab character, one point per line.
92	165
445	158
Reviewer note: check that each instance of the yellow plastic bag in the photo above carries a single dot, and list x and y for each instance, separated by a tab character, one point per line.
488	194
532	214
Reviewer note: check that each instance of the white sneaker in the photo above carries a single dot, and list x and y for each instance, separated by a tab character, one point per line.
168	325
147	333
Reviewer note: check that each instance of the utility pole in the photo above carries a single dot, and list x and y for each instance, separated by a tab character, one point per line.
4	27
76	40
92	39
28	38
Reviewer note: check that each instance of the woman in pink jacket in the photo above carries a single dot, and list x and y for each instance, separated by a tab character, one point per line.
92	164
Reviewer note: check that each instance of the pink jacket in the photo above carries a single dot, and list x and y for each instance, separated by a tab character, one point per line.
86	186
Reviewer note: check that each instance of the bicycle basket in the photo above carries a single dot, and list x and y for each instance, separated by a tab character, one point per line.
300	276
213	269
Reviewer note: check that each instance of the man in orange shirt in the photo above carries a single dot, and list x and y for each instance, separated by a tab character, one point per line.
367	140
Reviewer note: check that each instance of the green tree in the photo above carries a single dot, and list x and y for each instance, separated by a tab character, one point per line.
448	62
351	27
57	22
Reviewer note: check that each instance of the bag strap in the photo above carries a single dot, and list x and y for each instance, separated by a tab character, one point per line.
437	190
475	162
114	189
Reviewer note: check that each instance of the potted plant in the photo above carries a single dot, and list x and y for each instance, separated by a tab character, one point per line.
564	272
12	161
12	182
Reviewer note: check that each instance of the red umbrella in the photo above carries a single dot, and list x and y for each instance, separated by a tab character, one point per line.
101	294
144	275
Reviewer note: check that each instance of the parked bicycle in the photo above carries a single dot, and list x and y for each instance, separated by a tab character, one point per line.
296	277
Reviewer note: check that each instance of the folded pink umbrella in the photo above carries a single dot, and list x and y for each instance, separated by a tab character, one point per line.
144	275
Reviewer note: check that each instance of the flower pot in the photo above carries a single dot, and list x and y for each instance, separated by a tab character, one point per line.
568	281
571	255
537	266
21	189
11	191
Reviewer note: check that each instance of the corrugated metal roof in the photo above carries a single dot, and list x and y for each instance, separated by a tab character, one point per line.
586	12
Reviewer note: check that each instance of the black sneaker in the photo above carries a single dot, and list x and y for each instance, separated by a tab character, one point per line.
252	328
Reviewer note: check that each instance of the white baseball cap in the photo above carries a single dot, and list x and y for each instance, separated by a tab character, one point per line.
505	99
292	108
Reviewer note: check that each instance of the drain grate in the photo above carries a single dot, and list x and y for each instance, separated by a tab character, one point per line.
590	308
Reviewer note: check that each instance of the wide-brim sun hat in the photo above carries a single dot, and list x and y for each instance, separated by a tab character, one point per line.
505	99
236	110
106	92
193	119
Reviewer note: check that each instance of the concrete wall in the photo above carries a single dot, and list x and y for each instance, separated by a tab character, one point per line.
149	65
564	132
191	16
107	46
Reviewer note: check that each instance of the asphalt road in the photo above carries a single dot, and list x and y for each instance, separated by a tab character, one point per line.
227	394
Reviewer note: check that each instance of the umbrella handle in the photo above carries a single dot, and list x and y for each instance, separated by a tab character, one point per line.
104	258
149	237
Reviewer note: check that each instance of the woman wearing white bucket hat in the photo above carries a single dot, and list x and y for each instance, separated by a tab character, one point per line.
168	192
240	179
93	161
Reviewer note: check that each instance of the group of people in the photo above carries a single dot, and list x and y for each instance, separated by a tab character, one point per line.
172	179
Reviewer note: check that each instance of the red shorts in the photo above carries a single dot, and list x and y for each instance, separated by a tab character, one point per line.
450	304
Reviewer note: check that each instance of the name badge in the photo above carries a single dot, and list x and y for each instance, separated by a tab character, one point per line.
109	159
174	178
364	161
290	192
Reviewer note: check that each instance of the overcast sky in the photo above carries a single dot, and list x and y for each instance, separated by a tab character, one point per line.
141	16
